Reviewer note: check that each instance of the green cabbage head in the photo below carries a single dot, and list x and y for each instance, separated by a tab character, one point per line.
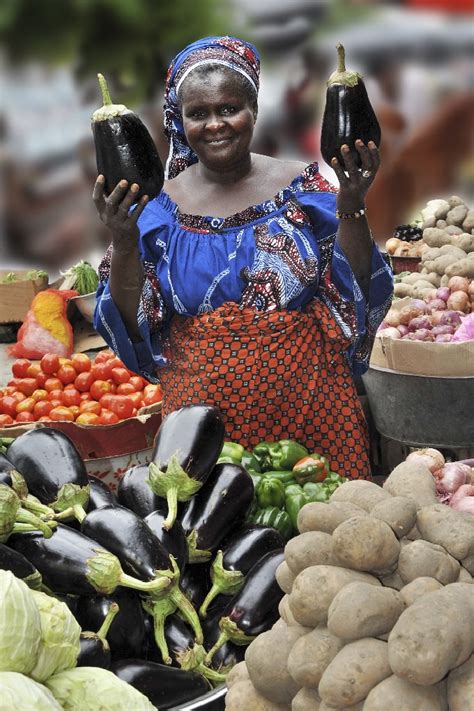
18	691
95	689
60	635
20	625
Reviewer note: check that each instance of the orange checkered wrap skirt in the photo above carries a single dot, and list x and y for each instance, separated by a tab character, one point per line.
274	375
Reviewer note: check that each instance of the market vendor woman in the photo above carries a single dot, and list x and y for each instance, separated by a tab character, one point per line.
249	282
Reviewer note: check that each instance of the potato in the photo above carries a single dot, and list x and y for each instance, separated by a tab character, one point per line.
434	237
464	241
285	578
361	610
414	481
326	517
461	686
429	255
448	528
453	230
394	694
285	612
464	576
468	564
366	544
360	492
440	264
455	200
307	549
314	589
424	559
457	215
267	663
451	249
399	512
468	223
432	636
393	580
237	673
402	290
311	654
413	534
306	700
417	588
353	672
243	695
352	707
464	267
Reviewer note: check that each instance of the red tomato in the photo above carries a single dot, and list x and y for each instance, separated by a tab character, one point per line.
6	420
126	389
136	399
8	405
27	386
64	361
120	375
138	382
34	370
53	384
26	405
20	367
91	406
81	362
104	355
25	417
56	395
107	417
153	396
61	413
9	390
75	411
85	397
150	387
116	363
41	378
84	381
99	388
71	396
67	374
50	363
18	396
39	394
88	418
105	400
56	403
121	405
42	408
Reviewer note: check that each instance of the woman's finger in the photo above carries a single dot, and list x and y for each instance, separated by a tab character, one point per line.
117	194
338	169
139	209
129	199
98	191
349	161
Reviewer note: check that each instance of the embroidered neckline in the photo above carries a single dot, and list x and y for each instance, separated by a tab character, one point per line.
309	179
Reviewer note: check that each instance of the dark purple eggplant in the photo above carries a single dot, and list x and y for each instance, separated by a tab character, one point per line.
95	650
5	465
72	563
173	541
164	686
220	506
196	583
53	469
124	148
100	494
348	114
20	566
142	555
237	557
135	494
127	634
254	609
185	451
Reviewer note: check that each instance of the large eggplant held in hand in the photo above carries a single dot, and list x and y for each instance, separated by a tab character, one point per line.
348	114
185	451
124	148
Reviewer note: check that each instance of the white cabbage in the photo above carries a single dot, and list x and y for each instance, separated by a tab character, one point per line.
20	625
60	633
20	693
95	689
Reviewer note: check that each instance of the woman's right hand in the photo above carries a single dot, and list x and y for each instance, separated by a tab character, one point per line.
114	211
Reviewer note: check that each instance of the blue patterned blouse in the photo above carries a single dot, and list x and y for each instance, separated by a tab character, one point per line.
279	254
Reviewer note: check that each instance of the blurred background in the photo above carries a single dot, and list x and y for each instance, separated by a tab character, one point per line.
416	58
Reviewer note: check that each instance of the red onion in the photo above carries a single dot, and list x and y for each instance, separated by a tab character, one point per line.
458	301
390	332
403	330
444	338
407	313
450	318
465	505
437	305
465	490
453	475
423	334
429	457
392	317
441	329
383	326
419	304
419	322
443	293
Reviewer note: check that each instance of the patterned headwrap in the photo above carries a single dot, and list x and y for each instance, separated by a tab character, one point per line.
234	53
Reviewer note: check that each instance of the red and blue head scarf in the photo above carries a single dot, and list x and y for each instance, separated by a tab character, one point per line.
231	52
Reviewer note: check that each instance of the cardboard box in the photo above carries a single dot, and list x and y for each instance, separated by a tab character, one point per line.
16	296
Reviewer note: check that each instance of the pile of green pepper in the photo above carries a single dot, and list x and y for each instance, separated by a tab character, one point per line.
286	477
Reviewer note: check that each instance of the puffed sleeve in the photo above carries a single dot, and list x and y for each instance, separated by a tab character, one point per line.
358	317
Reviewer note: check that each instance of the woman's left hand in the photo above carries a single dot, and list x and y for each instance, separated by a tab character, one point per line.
354	182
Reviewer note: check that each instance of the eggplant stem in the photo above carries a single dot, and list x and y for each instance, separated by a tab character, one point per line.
341	56
36	507
172	499
149	586
222	639
225	582
188	612
211	674
24	516
160	610
104	89
103	631
211	595
79	512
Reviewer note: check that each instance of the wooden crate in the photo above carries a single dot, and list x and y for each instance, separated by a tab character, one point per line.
16	296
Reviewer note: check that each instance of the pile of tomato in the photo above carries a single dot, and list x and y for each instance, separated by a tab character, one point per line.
99	391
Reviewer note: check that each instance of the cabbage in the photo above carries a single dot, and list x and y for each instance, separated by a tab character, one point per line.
95	689
60	635
20	692
20	625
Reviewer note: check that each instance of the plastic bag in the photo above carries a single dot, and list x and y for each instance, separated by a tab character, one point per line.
465	332
46	328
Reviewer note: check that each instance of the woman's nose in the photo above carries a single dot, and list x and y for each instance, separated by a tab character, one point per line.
214	122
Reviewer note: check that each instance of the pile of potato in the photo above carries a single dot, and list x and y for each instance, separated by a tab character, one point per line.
378	612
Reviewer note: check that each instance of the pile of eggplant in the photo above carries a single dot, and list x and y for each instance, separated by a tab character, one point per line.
167	569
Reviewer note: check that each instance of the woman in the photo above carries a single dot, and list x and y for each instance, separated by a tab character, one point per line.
238	285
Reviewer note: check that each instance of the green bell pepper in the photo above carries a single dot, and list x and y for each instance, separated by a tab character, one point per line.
256	478
233	450
279	456
333	481
275	518
292	489
316	492
249	462
314	468
270	492
294	502
283	476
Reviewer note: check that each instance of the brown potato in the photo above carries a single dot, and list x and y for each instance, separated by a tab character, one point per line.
461	686
424	559
360	492
448	528
318	516
399	512
243	695
394	694
418	588
237	673
366	544
361	610
285	578
306	700
311	654
307	549
414	481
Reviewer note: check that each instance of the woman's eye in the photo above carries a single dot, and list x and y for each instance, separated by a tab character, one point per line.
228	110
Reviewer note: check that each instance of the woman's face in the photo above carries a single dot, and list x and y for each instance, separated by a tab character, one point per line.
218	119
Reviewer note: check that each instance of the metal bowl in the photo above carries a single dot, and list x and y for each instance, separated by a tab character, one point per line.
85	305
